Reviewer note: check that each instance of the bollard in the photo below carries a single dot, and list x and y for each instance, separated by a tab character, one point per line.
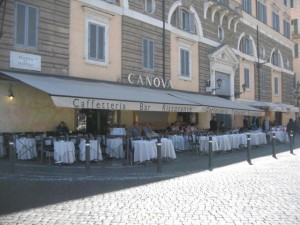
249	149
210	153
127	151
12	157
291	142
87	156
159	157
273	145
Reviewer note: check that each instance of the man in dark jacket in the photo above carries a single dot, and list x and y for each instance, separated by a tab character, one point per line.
291	126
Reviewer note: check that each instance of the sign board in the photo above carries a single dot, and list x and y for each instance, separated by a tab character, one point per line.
25	61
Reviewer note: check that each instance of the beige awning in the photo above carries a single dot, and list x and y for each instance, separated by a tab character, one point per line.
94	94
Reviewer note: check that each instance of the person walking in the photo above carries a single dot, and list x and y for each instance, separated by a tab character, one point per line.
291	127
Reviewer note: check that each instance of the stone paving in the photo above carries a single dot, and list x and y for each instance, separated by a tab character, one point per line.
267	192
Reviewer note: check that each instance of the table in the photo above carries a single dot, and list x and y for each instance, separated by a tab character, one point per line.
114	147
167	149
26	148
204	144
282	136
64	151
258	138
118	131
2	152
144	150
223	142
179	142
95	150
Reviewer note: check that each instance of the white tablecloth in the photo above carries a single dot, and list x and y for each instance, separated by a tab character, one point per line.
144	150
179	142
204	145
2	152
95	150
64	151
115	148
26	148
282	136
223	142
258	138
167	149
118	131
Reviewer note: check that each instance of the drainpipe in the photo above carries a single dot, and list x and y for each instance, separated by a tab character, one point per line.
164	39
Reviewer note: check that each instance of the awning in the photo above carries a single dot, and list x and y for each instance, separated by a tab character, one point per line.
93	94
273	107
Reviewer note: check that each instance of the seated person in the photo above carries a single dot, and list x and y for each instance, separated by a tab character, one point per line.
135	130
148	132
62	128
222	128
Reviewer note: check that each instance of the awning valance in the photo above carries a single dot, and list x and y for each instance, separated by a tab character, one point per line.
273	106
93	94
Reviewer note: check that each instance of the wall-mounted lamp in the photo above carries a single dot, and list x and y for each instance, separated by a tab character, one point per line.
237	94
219	83
10	93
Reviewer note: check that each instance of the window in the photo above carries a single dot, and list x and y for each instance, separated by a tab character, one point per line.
96	44
149	6
26	26
275	21
276	86
296	51
286	27
262	52
285	2
276	58
287	63
246	77
262	13
220	33
294	24
247	6
184	20
185	63
148	54
246	45
292	3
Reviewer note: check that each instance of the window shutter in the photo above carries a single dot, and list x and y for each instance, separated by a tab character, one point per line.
187	64
145	53
151	54
101	43
20	24
32	27
296	26
192	22
92	41
179	18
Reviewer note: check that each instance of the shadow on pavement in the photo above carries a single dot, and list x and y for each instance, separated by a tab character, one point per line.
34	185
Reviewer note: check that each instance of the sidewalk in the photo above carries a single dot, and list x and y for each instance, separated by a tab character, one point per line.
185	163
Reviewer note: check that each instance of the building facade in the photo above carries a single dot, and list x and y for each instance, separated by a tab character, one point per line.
240	51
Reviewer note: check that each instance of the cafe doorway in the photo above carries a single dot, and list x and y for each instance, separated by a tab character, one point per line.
94	121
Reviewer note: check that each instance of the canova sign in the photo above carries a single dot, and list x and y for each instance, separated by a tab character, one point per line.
149	81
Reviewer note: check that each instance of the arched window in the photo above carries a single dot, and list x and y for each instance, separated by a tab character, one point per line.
220	33
246	45
184	20
276	59
149	6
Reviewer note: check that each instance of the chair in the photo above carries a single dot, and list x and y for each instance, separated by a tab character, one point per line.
47	148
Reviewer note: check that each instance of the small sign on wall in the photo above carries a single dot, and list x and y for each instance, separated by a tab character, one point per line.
25	61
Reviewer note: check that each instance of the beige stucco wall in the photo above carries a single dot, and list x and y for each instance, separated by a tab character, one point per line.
79	66
177	82
30	111
250	92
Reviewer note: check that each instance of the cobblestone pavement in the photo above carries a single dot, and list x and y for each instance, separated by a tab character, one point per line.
267	192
